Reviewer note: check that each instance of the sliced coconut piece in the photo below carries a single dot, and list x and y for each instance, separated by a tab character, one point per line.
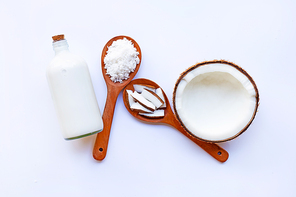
156	114
139	108
139	88
131	100
159	92
143	101
152	97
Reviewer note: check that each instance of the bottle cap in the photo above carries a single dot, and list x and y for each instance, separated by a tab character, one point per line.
58	37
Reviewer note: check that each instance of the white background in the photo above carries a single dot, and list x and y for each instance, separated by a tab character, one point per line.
144	159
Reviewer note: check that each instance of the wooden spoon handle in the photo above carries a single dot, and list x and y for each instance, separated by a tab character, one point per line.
213	149
101	144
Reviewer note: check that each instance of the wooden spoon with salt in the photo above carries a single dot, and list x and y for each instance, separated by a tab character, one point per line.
113	90
169	118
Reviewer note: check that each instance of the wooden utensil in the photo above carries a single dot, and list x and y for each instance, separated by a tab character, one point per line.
113	90
169	118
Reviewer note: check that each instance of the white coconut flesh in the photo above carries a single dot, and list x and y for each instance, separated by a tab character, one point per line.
215	101
158	91
147	101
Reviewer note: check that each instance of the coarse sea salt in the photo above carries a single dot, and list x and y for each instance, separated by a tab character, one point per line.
121	59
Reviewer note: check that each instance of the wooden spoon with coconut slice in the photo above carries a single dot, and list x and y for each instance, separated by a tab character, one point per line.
169	118
113	90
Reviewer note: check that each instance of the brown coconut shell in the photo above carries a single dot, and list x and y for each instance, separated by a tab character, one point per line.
216	62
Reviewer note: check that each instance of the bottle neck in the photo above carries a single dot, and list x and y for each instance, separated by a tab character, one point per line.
59	46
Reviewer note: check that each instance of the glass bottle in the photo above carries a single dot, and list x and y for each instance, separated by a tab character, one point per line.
72	93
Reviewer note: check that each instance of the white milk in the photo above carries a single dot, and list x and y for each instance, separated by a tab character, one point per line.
73	94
